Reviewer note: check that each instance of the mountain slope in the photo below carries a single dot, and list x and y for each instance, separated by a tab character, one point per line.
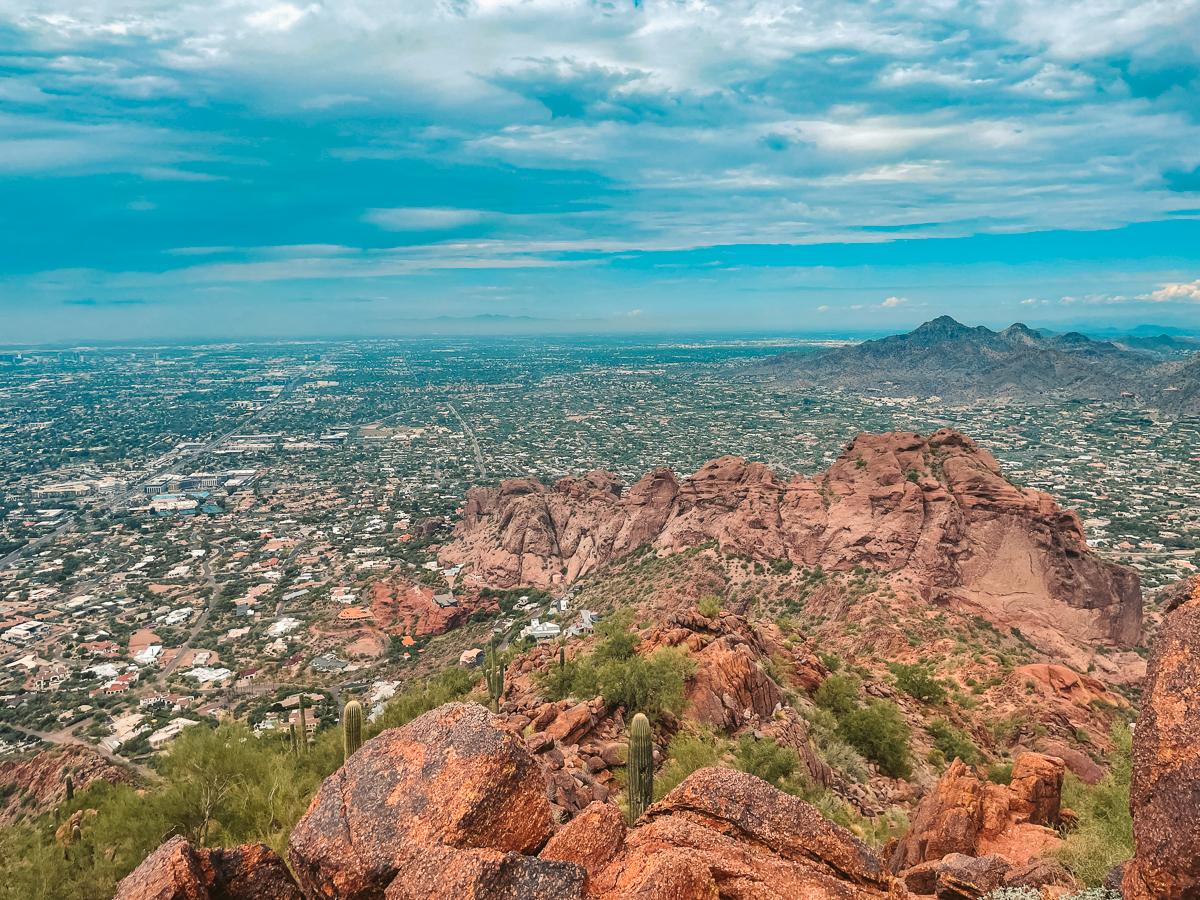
944	358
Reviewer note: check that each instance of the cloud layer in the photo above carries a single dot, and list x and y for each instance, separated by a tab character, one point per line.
408	139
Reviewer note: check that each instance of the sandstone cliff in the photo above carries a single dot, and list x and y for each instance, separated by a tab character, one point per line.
936	513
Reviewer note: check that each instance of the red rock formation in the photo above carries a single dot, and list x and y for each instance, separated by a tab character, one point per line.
449	780
42	776
404	608
935	509
1165	793
729	835
971	817
179	871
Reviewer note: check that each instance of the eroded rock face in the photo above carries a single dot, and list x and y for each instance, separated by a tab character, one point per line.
968	816
1165	792
937	509
729	829
42	776
449	779
179	871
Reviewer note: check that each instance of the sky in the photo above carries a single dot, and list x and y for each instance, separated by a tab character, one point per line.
256	169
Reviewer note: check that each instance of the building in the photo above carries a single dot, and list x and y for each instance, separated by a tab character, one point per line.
49	677
328	664
445	601
26	633
470	659
169	732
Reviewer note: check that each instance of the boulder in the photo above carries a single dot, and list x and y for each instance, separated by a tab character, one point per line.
1038	874
1165	791
446	873
179	871
591	839
450	778
961	877
726	828
1037	789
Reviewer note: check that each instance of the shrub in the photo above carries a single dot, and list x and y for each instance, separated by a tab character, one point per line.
919	683
709	606
766	759
838	694
879	732
686	754
953	742
647	684
1000	773
614	640
452	684
1104	836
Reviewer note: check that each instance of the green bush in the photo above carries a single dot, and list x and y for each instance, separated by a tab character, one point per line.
880	733
614	639
686	754
919	683
647	684
838	694
952	742
417	699
1000	773
766	759
1104	836
709	606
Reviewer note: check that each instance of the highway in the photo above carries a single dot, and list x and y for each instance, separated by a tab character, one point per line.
474	443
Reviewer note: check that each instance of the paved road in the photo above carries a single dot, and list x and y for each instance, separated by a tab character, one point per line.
201	621
474	443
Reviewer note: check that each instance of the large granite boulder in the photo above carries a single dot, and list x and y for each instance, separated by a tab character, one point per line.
448	781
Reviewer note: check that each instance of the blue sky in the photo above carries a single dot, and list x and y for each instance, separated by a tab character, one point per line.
265	169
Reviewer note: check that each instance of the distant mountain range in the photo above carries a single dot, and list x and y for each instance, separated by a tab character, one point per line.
946	359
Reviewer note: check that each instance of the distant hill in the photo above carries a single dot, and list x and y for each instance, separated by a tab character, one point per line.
946	359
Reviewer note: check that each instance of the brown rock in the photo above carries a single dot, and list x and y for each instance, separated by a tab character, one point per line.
921	878
1165	792
968	816
443	873
1038	874
1037	788
1076	761
733	830
591	839
962	530
571	724
448	778
178	871
962	877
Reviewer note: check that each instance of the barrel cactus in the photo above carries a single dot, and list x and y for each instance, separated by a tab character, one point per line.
352	725
640	767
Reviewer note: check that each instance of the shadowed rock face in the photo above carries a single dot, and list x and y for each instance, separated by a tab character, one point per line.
179	871
1165	793
447	781
936	509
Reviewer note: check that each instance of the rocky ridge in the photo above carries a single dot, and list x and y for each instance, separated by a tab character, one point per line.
934	513
42	777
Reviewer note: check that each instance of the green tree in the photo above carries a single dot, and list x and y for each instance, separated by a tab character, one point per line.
879	732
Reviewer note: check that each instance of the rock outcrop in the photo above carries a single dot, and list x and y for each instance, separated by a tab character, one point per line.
179	871
42	777
730	835
1165	791
446	806
971	817
936	510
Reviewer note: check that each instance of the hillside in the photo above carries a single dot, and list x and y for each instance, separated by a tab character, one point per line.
946	359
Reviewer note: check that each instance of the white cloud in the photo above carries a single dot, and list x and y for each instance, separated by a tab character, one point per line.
279	17
894	301
1175	292
423	218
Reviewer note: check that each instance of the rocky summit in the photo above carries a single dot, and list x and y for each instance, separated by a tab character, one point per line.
934	511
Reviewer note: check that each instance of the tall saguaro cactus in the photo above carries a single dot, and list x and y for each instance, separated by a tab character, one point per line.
640	767
303	735
493	673
295	741
70	788
352	724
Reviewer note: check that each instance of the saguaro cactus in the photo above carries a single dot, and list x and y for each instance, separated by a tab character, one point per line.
562	657
493	673
352	722
303	735
70	788
640	767
295	741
